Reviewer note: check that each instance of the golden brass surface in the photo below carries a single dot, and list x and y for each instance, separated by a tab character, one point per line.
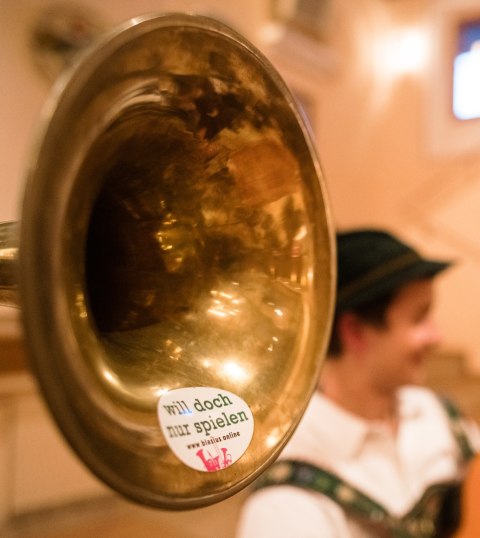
175	233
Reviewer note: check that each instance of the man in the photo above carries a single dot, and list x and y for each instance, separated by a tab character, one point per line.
375	453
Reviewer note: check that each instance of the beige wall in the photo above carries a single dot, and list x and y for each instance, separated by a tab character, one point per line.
392	153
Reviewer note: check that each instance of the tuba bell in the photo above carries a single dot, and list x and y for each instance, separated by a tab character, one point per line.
174	261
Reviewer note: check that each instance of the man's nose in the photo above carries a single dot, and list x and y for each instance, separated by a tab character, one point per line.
433	335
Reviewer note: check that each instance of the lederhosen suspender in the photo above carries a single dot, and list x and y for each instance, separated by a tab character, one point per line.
457	428
429	518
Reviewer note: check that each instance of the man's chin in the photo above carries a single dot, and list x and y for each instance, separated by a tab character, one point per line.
418	377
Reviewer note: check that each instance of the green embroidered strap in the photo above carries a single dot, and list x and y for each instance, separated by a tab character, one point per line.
419	523
457	428
437	509
309	476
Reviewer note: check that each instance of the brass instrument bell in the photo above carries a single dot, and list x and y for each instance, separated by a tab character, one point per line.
174	261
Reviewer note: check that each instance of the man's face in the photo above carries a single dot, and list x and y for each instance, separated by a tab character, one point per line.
396	353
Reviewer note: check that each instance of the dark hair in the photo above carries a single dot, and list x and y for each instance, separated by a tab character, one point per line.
373	313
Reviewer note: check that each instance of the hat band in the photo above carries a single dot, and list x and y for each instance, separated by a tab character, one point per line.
377	274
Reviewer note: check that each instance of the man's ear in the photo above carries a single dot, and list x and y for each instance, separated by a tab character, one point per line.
351	330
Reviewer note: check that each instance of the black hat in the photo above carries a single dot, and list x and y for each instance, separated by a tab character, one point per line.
373	263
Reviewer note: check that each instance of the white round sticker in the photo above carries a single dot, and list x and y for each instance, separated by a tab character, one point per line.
207	428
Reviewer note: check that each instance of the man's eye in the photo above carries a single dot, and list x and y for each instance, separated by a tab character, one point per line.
421	315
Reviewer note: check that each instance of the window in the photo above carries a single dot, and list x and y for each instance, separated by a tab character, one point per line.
466	71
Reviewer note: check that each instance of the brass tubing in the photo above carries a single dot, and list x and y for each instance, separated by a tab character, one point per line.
8	264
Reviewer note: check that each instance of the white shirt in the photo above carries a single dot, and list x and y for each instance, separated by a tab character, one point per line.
393	470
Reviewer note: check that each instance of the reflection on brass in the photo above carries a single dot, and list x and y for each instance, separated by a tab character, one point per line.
174	234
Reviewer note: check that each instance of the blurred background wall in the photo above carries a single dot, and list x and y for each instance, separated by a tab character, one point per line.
375	79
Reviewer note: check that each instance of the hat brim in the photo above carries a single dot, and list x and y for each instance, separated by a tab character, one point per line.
419	269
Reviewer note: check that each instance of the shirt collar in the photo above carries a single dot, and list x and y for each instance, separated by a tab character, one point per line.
350	431
341	431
